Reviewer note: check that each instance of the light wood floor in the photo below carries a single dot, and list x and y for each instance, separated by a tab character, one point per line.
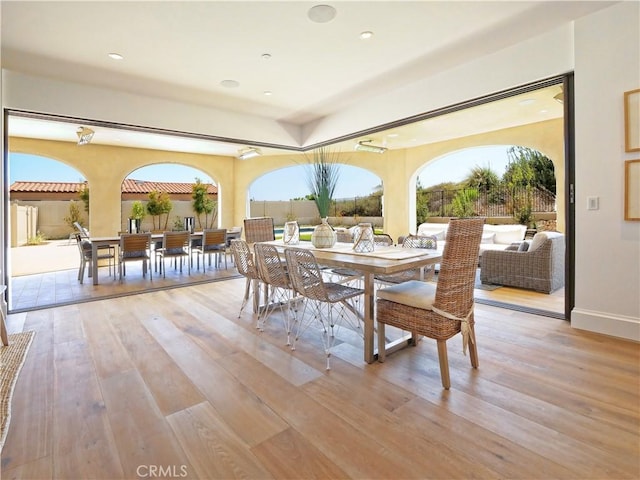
173	382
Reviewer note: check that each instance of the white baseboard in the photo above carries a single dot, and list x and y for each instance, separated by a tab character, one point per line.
606	323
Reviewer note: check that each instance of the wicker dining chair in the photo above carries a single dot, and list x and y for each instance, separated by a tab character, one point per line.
259	229
425	273
175	245
214	241
442	311
245	264
272	271
306	278
134	247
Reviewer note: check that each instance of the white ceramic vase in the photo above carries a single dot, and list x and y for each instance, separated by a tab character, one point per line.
323	236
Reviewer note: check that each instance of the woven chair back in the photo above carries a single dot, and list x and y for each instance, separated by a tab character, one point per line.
259	229
420	241
305	274
271	268
454	293
382	240
243	259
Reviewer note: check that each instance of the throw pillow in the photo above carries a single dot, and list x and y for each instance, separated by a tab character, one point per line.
523	247
538	239
488	237
514	247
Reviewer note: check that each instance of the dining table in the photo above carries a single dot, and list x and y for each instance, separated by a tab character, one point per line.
114	240
381	261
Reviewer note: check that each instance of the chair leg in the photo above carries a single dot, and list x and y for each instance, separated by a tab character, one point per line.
444	364
473	348
245	300
381	342
81	272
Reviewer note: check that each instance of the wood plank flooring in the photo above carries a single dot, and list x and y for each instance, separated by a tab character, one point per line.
173	384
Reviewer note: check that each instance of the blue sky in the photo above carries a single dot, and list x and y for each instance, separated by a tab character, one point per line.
282	184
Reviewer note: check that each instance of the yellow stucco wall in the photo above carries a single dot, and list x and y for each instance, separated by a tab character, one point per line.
105	167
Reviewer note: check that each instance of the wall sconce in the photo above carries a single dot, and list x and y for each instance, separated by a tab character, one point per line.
85	135
365	146
247	153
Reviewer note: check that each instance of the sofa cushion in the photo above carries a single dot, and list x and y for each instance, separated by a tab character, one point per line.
506	234
438	230
488	238
540	237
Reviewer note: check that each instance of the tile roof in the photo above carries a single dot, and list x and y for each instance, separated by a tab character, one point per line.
128	186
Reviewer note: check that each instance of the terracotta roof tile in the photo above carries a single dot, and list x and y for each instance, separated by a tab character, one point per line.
128	186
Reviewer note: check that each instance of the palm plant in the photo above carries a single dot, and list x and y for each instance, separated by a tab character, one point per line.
322	178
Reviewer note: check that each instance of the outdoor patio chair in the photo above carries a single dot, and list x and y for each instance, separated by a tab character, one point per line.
412	241
175	245
259	229
135	247
442	311
272	271
214	241
86	256
306	278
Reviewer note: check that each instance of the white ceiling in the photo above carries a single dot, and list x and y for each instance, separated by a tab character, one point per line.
183	51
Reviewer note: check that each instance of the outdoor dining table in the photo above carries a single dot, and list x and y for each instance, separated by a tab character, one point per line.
382	261
115	240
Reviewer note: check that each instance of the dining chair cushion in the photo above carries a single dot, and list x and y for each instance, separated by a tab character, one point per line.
134	254
413	293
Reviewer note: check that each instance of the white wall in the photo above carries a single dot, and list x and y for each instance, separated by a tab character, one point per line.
607	248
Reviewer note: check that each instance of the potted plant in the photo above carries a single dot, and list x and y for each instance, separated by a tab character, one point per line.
138	212
322	180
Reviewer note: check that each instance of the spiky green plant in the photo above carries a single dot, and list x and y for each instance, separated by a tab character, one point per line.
322	178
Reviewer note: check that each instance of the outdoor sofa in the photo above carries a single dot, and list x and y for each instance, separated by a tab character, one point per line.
536	265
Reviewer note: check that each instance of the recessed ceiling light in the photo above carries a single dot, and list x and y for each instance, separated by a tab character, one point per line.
229	83
268	92
527	101
115	56
366	35
393	135
266	56
321	13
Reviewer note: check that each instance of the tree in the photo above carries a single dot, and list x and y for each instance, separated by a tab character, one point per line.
84	196
520	179
463	204
159	204
202	203
482	179
528	167
74	214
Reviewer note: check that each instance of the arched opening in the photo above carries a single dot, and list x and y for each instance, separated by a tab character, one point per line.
173	184
507	184
284	194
